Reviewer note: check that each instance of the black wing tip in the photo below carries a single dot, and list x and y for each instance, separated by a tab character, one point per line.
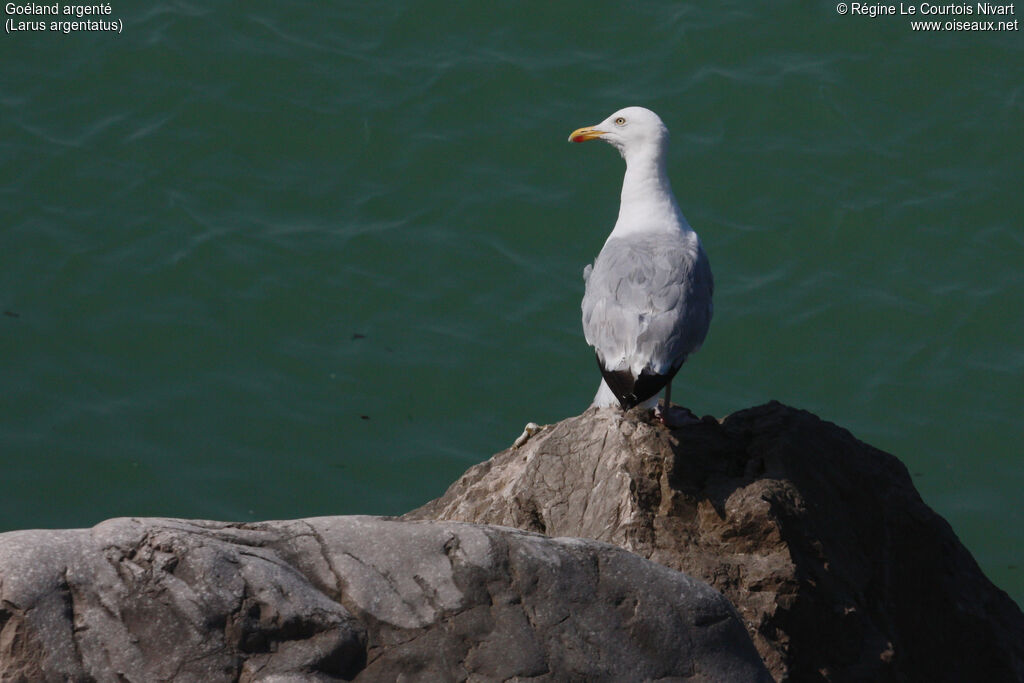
632	391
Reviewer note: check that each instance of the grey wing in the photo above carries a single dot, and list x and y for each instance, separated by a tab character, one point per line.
648	303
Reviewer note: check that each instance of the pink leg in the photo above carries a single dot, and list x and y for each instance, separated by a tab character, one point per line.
673	416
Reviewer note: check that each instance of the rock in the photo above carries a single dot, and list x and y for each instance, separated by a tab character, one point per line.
836	565
352	598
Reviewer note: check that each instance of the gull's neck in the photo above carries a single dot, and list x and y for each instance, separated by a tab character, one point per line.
647	204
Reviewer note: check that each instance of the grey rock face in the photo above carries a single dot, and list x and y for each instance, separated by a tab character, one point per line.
836	565
352	598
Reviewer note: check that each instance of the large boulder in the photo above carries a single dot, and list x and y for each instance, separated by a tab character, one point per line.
836	565
352	598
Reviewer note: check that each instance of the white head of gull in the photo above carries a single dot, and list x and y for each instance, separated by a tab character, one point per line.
647	304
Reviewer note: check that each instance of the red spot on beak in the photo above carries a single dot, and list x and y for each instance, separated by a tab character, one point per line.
584	134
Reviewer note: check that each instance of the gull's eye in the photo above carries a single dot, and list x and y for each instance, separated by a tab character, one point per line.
620	121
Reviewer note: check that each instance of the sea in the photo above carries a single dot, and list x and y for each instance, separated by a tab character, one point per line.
271	260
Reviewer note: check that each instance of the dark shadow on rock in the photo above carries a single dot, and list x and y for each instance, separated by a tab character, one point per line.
838	568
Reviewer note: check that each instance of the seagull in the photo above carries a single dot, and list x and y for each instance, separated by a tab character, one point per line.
647	304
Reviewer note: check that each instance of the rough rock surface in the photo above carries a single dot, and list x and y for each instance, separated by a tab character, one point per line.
352	598
838	568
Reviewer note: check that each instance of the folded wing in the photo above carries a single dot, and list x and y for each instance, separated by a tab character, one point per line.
647	306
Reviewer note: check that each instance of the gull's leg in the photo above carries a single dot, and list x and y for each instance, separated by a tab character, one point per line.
673	417
662	410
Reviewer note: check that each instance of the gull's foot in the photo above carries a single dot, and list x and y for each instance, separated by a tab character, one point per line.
674	417
531	429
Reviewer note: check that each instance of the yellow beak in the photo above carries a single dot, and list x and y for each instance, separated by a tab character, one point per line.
584	134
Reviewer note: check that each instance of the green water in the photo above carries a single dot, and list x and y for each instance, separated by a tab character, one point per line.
270	260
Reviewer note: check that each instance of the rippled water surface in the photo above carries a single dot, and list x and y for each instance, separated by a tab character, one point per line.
271	260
